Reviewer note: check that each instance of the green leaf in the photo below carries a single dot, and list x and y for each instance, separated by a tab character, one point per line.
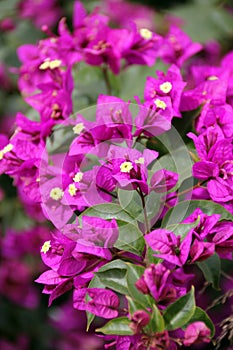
130	202
177	161
90	319
185	208
213	20
113	276
115	264
182	229
134	305
157	321
130	239
108	211
128	80
178	158
133	274
201	315
151	258
179	313
153	207
117	326
211	269
88	85
114	279
95	283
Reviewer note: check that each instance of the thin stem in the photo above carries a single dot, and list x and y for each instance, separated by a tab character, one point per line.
92	266
146	256
121	255
177	340
193	156
224	274
220	300
198	185
167	205
138	139
144	209
107	81
190	189
106	191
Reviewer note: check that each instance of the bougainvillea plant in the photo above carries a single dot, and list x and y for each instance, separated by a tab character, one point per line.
135	210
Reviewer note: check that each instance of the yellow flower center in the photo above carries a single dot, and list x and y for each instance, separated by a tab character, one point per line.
56	193
72	190
48	64
45	247
8	148
213	77
166	87
126	167
160	104
55	64
146	33
78	177
78	128
5	150
101	45
140	160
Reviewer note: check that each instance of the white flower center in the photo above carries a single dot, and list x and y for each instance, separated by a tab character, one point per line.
160	104
72	190
45	247
56	193
78	177
166	87
50	64
6	149
78	128
126	167
146	33
212	78
140	160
